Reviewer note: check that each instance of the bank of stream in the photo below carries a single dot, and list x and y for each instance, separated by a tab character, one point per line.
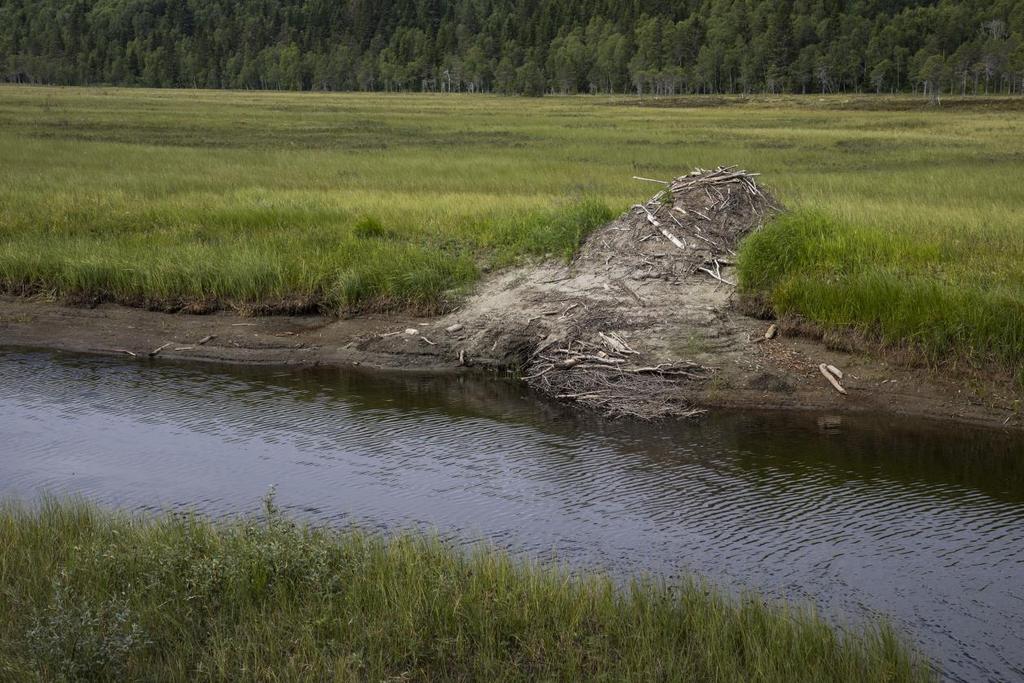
860	515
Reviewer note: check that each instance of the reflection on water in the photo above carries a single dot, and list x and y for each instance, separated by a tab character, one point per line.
861	516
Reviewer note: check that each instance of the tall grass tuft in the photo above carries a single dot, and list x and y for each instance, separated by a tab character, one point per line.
90	594
845	275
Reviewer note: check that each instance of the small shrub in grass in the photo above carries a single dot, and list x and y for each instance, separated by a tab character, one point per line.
95	595
370	227
75	638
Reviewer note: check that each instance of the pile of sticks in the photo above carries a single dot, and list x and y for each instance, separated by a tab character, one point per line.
709	181
604	375
697	205
721	176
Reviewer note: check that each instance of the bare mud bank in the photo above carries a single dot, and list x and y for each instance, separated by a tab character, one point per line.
778	374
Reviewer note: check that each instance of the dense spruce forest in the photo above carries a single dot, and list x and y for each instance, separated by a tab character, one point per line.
521	46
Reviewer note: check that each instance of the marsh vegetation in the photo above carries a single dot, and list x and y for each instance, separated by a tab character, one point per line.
103	596
905	223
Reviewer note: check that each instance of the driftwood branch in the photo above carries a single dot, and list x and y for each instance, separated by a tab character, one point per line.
124	351
717	276
831	379
156	351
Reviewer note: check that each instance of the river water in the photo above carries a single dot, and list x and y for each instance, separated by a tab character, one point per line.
865	516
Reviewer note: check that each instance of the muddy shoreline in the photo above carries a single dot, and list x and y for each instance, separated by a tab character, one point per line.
643	322
780	374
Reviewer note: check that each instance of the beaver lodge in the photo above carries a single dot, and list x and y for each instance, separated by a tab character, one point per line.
640	312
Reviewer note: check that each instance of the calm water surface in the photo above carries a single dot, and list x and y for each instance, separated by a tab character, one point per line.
866	516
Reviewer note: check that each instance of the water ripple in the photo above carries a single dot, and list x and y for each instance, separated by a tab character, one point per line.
927	529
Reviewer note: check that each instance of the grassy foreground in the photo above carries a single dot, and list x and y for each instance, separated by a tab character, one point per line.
907	224
89	594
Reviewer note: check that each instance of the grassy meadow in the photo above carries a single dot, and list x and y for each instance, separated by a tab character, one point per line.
906	223
95	595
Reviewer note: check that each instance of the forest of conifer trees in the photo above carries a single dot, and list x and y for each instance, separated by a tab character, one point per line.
521	46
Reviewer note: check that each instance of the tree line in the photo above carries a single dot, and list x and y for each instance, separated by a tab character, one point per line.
528	47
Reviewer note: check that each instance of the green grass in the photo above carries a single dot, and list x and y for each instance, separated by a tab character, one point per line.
908	225
932	292
95	595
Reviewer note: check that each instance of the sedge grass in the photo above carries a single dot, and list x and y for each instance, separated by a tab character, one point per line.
97	595
908	220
